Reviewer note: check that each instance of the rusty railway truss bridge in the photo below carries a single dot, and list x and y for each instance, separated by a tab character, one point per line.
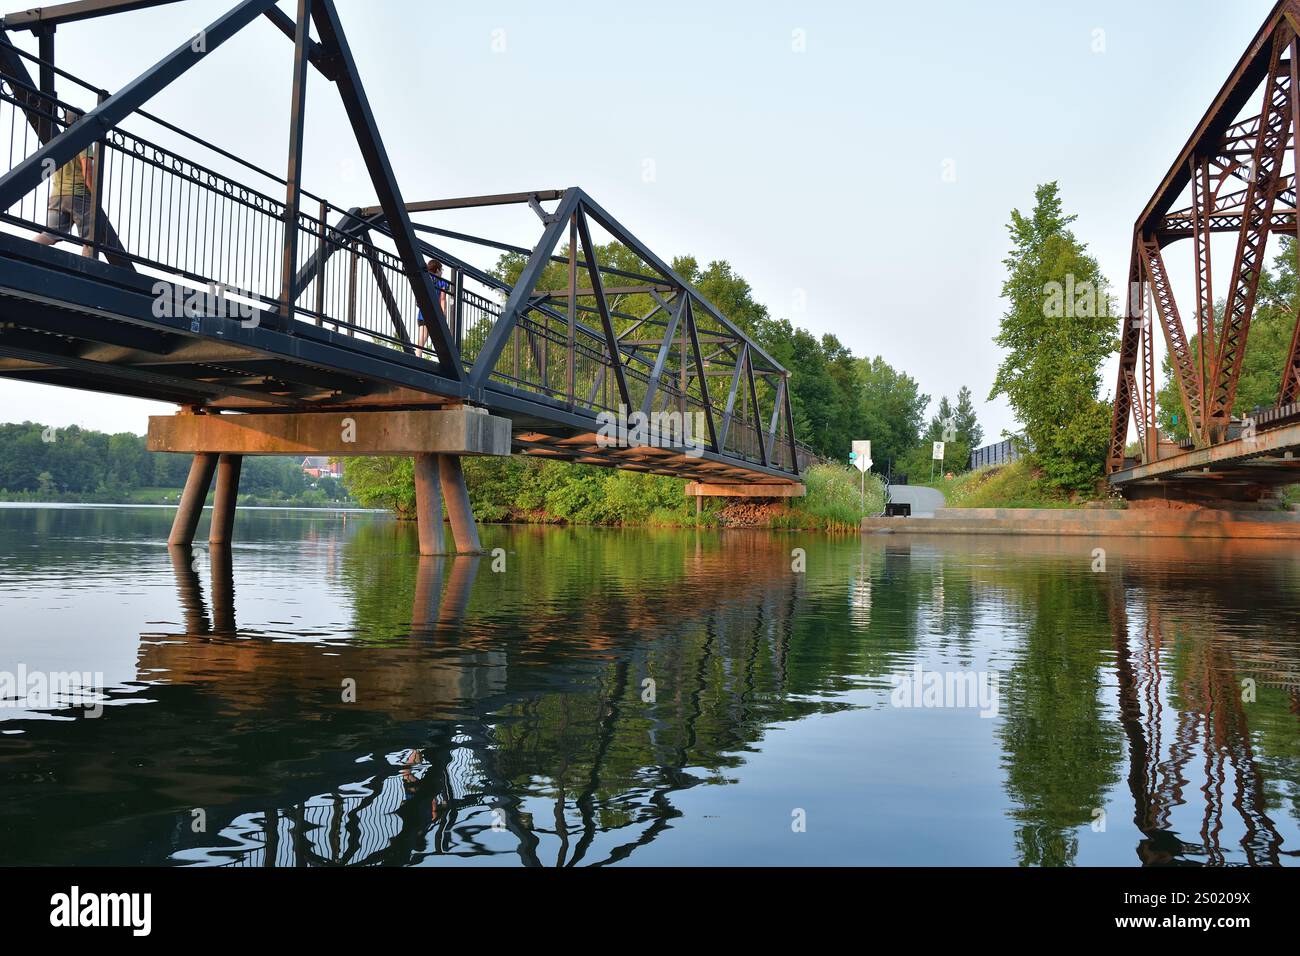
1231	188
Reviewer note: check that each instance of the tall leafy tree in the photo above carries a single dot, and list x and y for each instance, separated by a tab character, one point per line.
1057	331
968	427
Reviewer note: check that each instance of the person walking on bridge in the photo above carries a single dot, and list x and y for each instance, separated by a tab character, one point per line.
441	285
71	197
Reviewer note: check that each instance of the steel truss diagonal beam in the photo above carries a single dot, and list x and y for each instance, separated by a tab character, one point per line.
607	323
364	127
1126	392
1180	352
701	378
522	292
661	359
1260	196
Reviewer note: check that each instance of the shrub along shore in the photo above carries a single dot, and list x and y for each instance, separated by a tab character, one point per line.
523	490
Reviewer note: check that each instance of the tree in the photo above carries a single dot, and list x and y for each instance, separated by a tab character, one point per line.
968	428
1057	331
891	407
382	483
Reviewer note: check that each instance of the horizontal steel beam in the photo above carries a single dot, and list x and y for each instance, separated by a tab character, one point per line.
38	18
472	202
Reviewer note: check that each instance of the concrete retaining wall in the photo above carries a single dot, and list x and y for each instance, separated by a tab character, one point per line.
1137	523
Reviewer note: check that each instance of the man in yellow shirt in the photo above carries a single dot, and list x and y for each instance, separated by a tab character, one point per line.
71	196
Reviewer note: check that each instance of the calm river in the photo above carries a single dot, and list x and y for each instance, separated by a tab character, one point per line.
320	695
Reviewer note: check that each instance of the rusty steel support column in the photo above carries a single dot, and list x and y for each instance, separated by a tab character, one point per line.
1202	207
459	510
428	505
190	508
1152	450
224	499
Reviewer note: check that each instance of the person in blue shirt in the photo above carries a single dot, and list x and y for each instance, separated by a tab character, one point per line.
441	285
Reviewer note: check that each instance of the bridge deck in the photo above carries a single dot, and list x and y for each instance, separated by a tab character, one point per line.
71	321
1266	457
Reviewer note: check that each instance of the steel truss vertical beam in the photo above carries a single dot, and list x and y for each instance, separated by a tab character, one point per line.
1202	208
571	330
1180	352
293	169
602	306
770	438
357	106
1147	406
661	359
729	412
753	404
1261	194
1290	389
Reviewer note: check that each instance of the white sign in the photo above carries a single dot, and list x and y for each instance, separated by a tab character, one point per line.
862	455
938	451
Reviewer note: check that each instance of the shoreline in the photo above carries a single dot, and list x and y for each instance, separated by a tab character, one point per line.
1127	523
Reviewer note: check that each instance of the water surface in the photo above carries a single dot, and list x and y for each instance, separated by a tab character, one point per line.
320	695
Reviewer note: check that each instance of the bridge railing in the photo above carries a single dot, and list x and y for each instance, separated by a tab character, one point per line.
200	225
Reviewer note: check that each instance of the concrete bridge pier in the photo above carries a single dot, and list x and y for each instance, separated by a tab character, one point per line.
222	530
190	509
435	438
464	531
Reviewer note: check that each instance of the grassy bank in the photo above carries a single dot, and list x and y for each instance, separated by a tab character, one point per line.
1017	485
528	490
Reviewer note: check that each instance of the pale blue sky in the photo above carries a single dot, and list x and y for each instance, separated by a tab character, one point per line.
818	172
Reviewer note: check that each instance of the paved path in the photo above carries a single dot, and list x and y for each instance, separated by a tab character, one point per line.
924	501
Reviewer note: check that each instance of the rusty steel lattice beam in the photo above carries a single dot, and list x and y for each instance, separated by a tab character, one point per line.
1128	396
1260	197
1180	351
1202	199
1244	140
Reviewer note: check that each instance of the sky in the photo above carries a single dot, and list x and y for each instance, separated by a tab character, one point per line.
856	162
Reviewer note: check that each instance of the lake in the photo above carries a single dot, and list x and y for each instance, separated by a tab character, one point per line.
321	695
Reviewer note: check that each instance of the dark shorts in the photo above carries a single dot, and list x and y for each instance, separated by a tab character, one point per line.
66	211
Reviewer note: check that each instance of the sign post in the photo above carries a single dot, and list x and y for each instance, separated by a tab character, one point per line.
861	458
936	455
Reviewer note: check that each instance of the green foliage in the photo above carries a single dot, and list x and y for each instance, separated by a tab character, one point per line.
834	500
382	483
38	462
529	490
1006	486
1056	344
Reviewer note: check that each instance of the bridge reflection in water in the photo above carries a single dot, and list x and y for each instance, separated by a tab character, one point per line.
505	717
457	781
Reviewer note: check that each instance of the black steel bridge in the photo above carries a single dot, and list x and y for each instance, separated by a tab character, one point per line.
224	287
